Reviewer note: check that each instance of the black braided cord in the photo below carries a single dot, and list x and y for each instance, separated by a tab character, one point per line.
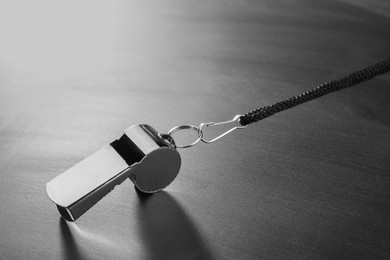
326	88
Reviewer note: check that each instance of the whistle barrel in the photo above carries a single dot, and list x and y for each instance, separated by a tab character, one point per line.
82	186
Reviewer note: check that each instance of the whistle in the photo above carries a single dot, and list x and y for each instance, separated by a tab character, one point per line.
149	159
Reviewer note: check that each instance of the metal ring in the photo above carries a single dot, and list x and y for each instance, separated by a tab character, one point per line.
185	127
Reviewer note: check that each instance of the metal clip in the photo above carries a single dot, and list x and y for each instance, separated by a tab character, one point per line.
235	119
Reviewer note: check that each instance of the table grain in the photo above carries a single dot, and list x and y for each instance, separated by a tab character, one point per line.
312	182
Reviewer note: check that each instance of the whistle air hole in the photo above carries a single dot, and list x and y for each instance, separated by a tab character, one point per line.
127	150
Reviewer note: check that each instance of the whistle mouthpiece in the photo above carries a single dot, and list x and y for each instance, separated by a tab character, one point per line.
144	156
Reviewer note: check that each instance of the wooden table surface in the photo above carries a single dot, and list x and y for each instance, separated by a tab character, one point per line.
309	183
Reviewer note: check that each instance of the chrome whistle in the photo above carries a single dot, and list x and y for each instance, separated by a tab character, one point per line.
149	159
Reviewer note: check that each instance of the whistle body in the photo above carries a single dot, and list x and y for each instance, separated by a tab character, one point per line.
141	154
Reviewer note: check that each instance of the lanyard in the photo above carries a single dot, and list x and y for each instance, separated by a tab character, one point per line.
261	113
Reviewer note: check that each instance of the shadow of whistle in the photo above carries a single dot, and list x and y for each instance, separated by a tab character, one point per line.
148	158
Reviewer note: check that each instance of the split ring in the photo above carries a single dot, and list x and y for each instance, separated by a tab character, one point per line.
185	127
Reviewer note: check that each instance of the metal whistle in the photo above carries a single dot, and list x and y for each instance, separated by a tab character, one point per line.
150	160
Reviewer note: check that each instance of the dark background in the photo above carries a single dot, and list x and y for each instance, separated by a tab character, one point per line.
309	183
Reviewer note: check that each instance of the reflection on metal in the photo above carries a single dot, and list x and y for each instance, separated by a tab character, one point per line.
110	243
149	159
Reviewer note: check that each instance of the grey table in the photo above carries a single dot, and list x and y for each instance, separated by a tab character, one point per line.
309	183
